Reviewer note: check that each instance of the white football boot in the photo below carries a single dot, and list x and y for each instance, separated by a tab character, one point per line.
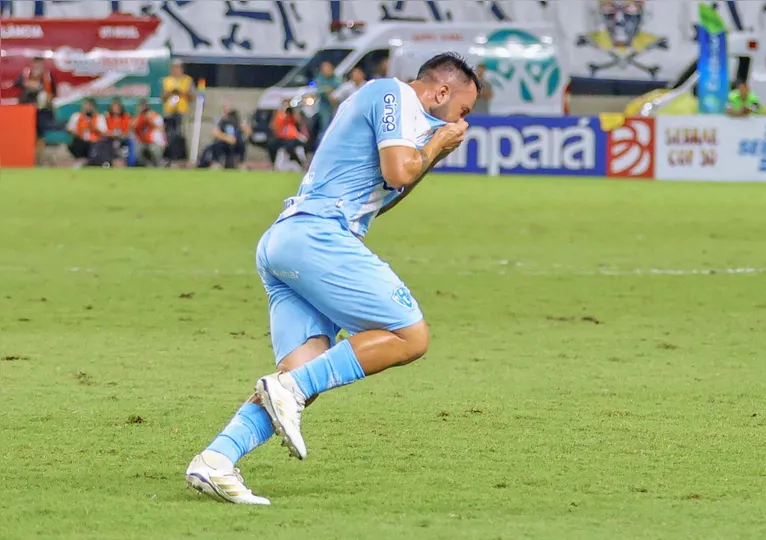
280	396
223	484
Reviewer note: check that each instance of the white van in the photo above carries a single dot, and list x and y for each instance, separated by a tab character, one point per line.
747	62
524	63
524	67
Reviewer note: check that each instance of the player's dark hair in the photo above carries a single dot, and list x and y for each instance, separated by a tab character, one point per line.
452	63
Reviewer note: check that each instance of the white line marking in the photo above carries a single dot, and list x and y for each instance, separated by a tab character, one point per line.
468	268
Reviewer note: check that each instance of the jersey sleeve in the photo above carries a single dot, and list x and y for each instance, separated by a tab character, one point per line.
393	114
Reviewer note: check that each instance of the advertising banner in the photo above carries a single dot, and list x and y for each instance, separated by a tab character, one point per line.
607	40
712	65
630	146
752	152
119	56
566	145
714	148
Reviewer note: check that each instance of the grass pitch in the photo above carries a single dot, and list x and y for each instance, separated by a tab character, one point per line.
597	368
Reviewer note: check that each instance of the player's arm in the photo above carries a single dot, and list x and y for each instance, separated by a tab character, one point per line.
403	166
393	116
408	189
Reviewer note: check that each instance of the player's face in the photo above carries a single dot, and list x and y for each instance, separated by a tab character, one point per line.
454	102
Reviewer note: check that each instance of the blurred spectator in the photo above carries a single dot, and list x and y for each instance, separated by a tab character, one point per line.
485	93
38	88
87	128
178	92
150	132
118	128
381	70
742	101
228	146
288	133
326	83
355	81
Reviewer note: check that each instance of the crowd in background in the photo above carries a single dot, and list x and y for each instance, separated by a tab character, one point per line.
147	138
144	137
114	137
290	128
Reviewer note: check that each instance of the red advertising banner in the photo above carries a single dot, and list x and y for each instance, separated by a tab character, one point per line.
78	52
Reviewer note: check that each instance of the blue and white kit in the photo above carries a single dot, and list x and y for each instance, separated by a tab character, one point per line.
318	274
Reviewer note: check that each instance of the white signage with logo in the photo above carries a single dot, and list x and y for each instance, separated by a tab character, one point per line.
708	147
606	39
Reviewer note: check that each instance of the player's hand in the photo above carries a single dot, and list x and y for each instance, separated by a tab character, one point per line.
451	135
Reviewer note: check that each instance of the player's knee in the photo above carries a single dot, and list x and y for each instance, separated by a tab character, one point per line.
416	338
421	342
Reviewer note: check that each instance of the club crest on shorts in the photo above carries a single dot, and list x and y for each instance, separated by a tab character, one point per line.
403	297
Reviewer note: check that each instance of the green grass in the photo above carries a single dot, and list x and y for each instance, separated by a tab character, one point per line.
570	391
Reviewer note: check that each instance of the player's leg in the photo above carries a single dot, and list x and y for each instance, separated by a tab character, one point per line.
212	471
299	334
250	426
344	280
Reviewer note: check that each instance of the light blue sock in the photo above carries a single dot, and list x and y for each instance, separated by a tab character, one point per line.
250	428
334	368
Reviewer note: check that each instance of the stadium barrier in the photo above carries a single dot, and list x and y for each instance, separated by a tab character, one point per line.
704	147
17	135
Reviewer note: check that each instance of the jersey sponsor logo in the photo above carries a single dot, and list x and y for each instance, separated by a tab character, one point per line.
403	297
389	113
630	149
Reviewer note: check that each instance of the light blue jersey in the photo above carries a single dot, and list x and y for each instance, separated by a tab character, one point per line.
317	272
344	181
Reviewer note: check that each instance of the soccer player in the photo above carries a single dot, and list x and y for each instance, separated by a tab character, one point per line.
319	275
